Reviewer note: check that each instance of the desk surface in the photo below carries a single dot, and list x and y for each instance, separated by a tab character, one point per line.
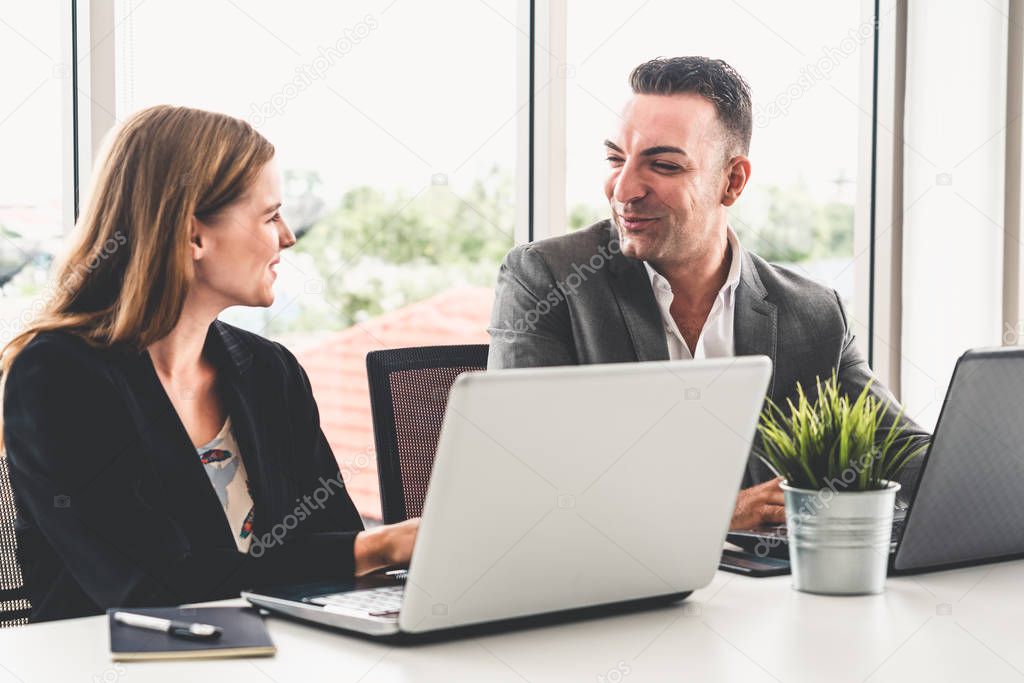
958	625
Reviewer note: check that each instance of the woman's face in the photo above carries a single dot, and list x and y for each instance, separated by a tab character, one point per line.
236	253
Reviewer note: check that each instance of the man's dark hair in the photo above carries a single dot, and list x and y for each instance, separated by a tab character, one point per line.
713	80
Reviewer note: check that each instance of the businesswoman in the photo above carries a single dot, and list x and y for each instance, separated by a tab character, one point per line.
157	455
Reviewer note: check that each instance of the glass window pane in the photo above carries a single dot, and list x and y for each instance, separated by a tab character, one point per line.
398	153
31	207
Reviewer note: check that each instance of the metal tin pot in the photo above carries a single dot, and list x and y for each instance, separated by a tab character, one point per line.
839	540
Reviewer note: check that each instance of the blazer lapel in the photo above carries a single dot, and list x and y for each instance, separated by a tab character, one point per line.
635	297
248	422
755	325
184	482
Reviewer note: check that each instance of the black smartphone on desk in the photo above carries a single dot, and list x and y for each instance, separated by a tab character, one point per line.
749	564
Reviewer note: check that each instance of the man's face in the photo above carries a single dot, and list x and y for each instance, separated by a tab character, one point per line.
668	177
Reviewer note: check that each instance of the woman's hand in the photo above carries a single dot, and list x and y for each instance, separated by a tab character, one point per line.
385	547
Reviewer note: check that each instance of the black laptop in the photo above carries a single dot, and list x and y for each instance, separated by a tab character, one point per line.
969	504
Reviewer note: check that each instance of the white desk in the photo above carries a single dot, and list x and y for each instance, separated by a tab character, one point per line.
962	625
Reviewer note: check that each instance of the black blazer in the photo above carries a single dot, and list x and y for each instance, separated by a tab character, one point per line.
114	507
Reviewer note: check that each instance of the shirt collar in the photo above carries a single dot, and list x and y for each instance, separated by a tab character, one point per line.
658	281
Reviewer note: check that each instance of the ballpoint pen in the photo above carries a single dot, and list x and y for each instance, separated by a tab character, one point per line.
181	629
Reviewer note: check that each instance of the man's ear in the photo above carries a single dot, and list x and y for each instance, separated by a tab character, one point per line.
737	175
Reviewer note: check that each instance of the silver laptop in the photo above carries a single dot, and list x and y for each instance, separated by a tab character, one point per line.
559	490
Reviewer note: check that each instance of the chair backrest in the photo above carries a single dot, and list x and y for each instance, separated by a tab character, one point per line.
408	396
14	604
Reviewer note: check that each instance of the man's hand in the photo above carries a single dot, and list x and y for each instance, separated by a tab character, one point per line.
760	505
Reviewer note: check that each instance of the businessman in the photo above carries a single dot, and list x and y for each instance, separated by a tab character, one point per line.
666	277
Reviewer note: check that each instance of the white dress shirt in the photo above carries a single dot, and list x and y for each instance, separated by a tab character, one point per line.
716	337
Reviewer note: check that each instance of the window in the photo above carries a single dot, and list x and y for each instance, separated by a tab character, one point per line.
31	176
802	61
401	134
396	134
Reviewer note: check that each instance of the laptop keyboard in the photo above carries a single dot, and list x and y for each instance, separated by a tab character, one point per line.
374	602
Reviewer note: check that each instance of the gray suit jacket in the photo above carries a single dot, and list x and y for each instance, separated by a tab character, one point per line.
576	299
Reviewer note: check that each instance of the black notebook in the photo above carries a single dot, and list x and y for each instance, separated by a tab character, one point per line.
245	635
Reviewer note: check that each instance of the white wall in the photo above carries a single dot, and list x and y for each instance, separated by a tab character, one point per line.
953	197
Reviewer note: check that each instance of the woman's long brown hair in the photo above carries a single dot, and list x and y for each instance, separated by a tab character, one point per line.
124	280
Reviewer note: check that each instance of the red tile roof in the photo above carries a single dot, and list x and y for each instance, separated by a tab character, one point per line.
336	366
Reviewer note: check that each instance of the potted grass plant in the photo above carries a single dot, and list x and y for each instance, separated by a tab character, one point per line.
839	466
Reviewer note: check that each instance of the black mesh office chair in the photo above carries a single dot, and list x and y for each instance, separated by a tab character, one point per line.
14	604
408	395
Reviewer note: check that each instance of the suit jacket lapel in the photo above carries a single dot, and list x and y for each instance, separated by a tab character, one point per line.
184	481
188	487
239	392
755	325
635	297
